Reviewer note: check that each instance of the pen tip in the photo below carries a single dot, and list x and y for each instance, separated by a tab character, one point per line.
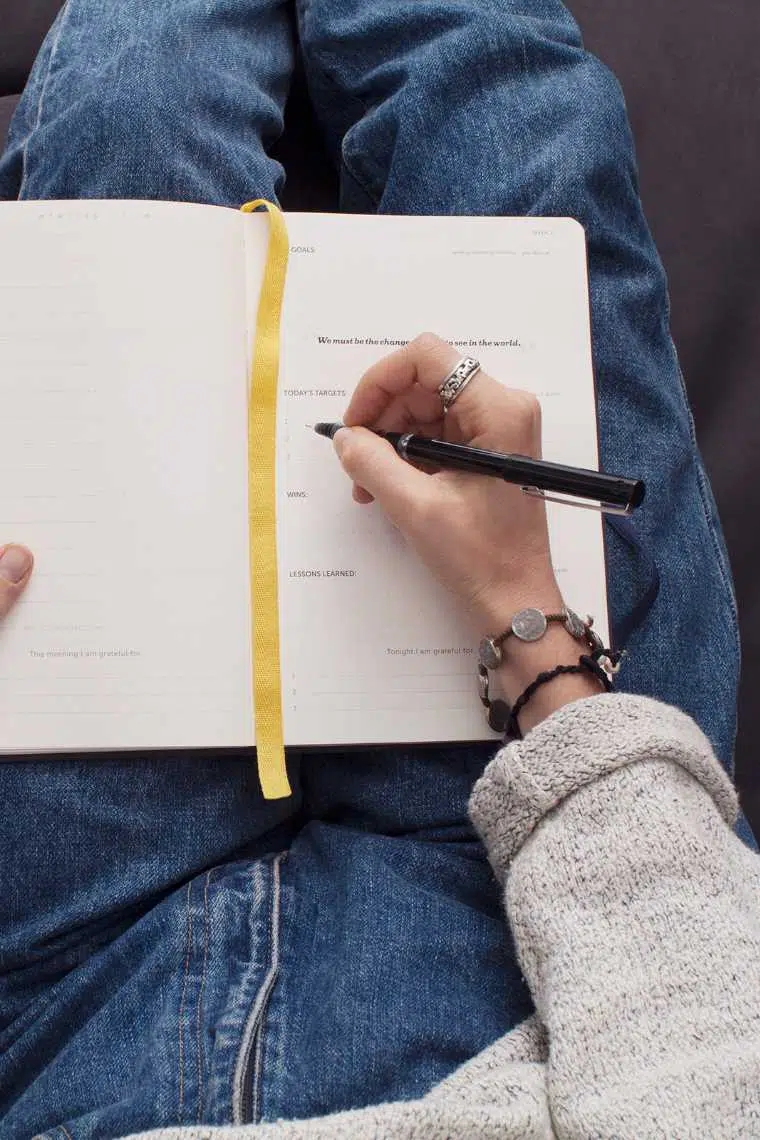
327	430
310	427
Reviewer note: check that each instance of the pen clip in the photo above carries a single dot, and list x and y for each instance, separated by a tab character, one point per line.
605	508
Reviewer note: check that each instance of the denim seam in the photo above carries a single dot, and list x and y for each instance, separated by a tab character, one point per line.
255	1018
181	1048
303	8
311	59
359	181
41	101
201	991
269	986
700	476
727	584
364	109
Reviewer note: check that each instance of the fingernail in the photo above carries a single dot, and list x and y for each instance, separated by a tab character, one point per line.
15	563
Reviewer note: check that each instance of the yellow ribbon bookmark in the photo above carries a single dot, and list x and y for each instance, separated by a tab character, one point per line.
262	511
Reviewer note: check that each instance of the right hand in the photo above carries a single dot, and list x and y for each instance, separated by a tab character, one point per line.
16	564
481	537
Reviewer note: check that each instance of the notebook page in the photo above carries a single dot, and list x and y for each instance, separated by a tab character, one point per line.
123	467
372	648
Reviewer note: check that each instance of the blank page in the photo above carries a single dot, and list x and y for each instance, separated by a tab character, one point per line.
123	466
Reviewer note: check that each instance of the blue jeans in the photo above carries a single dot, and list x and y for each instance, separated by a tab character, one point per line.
172	948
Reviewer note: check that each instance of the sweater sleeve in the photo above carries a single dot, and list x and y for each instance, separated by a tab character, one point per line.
636	914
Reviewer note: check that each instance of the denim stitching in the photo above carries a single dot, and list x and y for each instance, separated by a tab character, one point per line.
269	986
700	477
189	942
364	110
199	1014
716	546
43	87
359	180
258	888
254	1020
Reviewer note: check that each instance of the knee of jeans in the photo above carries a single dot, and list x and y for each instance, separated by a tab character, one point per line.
536	63
575	148
118	136
509	113
572	119
601	133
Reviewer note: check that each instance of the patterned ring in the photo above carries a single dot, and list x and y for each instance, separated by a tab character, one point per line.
457	380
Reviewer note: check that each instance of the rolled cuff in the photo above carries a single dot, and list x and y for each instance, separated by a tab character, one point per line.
577	745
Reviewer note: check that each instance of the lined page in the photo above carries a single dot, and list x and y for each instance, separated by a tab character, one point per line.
372	648
123	466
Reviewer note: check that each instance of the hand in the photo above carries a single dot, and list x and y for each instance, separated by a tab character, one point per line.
481	537
16	563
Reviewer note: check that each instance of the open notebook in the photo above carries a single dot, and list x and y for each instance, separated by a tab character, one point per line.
125	339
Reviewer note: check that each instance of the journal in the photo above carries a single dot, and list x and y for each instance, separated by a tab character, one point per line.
126	338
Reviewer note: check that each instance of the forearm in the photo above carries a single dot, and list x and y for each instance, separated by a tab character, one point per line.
636	914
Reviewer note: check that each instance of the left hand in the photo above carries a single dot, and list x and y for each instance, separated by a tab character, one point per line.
16	565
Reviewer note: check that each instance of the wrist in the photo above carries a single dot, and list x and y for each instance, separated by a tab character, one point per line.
525	660
492	613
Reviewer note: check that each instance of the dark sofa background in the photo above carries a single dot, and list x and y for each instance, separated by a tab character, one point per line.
690	75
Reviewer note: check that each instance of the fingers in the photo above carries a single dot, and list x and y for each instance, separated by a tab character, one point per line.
400	392
377	470
408	377
16	564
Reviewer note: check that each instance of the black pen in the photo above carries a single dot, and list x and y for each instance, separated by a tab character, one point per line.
613	494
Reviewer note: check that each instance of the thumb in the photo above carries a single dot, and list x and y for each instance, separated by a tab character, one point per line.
16	564
374	465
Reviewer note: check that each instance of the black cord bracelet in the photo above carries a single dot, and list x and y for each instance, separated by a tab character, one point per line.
586	664
513	728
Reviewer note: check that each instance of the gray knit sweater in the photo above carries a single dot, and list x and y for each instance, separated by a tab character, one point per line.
636	915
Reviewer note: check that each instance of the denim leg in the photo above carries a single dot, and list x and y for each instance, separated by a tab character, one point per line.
160	1026
404	968
110	982
493	107
376	958
176	100
396	964
127	1001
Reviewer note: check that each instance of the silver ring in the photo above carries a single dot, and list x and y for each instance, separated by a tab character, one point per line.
457	380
